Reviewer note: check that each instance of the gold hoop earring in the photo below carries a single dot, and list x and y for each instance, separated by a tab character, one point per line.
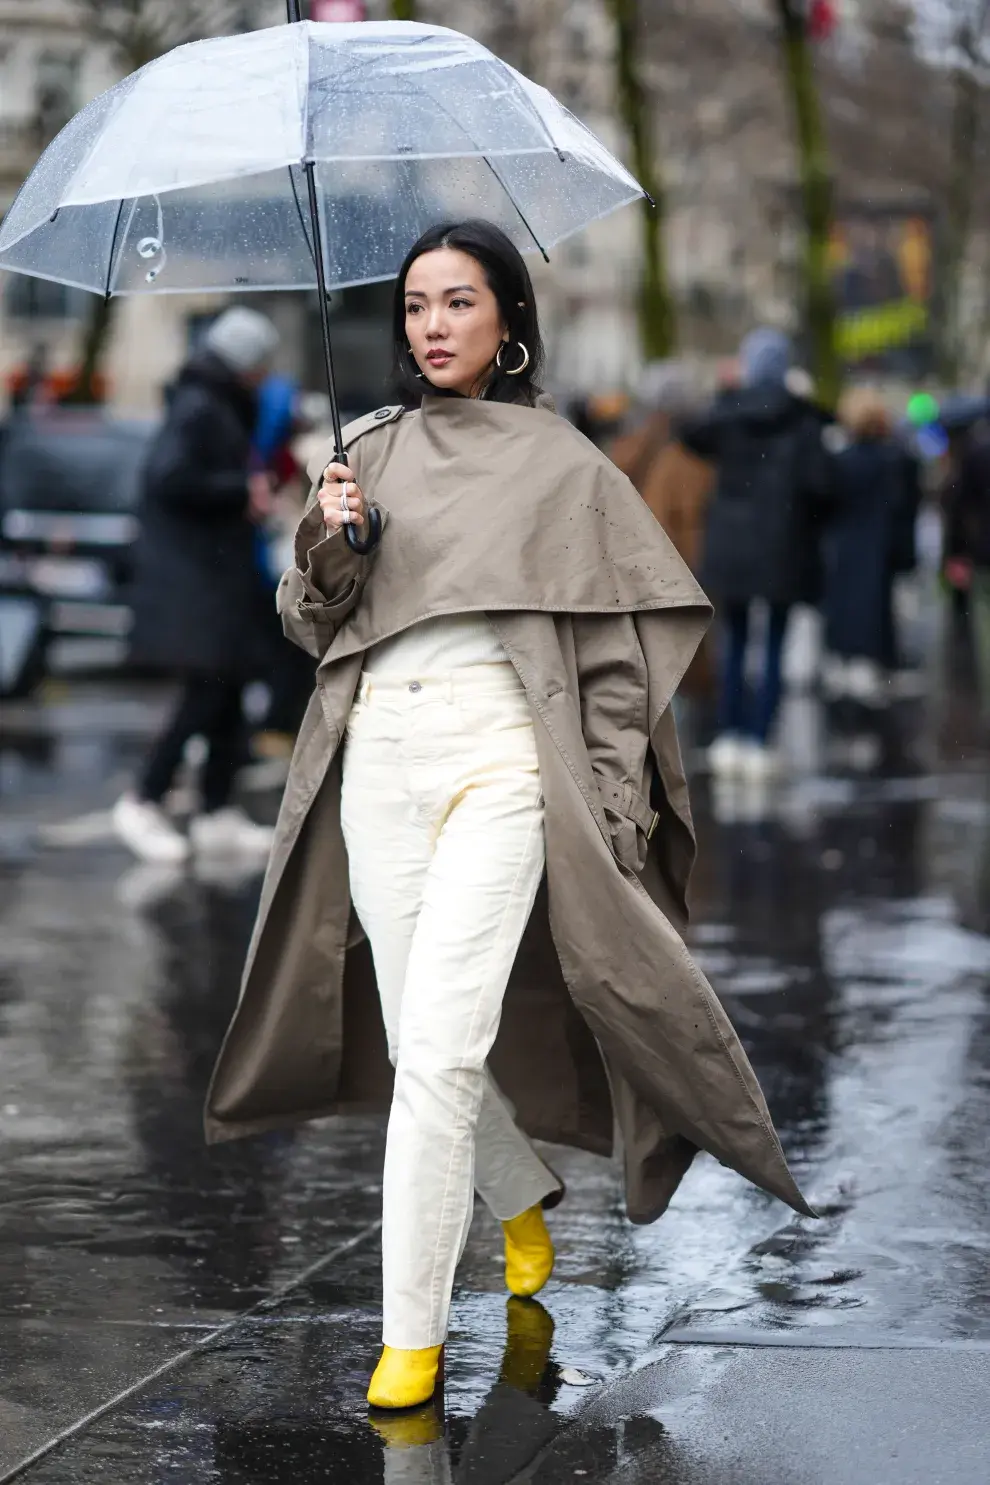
516	370
415	366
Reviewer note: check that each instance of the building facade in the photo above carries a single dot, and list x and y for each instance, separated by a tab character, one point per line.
51	64
724	142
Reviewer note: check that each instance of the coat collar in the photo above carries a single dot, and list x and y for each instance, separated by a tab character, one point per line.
494	507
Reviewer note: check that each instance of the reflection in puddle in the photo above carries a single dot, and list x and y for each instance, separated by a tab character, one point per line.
506	1433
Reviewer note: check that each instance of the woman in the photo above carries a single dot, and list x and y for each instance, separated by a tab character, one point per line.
489	773
762	534
870	539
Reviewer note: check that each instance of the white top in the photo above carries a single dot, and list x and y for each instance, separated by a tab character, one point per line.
434	647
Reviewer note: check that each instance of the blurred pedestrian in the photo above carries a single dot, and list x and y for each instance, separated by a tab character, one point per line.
967	545
290	676
762	534
959	414
870	540
599	415
675	483
200	609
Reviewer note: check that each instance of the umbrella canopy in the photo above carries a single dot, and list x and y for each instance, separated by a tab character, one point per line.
189	174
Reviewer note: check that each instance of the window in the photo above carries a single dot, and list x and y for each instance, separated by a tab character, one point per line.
56	91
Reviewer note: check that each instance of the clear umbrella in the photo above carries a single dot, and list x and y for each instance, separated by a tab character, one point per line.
306	155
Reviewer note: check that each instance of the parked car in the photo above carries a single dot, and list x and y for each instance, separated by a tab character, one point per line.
69	487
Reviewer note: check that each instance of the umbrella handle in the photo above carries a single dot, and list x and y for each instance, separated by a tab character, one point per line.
374	537
362	548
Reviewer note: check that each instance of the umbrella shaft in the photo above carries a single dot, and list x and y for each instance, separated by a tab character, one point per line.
293	12
321	290
339	452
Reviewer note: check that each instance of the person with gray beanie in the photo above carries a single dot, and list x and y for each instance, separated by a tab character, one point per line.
202	611
762	536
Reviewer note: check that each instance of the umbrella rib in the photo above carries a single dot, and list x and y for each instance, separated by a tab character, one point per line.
440	104
113	249
301	216
535	112
519	211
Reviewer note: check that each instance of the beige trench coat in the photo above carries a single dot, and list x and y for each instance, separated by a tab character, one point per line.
509	510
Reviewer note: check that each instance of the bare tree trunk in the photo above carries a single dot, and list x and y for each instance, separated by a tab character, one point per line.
963	140
657	323
816	197
136	31
95	338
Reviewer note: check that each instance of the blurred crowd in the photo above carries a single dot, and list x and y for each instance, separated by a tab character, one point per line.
773	501
776	502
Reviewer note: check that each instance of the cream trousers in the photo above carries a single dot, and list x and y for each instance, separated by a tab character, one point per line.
443	820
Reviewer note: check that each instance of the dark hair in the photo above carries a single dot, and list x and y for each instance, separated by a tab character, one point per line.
508	278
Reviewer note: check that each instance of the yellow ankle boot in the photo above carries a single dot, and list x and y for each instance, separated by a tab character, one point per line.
528	1253
404	1379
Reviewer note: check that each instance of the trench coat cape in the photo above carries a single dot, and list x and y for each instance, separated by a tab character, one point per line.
607	1022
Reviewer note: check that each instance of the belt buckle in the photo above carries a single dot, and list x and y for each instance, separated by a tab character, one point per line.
653	825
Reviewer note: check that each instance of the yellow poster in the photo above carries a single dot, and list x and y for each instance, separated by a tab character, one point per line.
882	280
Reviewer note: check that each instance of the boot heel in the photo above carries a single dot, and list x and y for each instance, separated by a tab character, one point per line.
438	1395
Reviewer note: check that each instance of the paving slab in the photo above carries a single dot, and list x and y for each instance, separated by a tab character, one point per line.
710	1415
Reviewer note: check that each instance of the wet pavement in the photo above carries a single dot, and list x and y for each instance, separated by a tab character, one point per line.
171	1313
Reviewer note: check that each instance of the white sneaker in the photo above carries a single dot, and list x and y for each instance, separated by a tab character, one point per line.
146	830
230	832
835	682
146	885
725	755
758	763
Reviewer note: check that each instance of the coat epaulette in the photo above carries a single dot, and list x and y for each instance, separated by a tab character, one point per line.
361	426
351	433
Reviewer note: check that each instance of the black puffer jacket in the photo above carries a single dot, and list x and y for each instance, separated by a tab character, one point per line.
200	602
762	537
968	501
874	500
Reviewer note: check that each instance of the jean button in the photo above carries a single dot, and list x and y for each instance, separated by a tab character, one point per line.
415	686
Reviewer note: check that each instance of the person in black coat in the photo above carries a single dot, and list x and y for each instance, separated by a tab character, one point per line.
967	546
762	537
870	540
201	606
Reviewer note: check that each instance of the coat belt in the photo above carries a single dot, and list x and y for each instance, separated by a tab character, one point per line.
626	800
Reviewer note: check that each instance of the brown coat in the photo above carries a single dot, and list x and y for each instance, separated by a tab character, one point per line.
508	510
676	486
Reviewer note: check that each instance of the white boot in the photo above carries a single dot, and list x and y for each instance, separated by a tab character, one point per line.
230	832
147	831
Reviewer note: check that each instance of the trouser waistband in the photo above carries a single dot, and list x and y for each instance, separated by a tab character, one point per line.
467	680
